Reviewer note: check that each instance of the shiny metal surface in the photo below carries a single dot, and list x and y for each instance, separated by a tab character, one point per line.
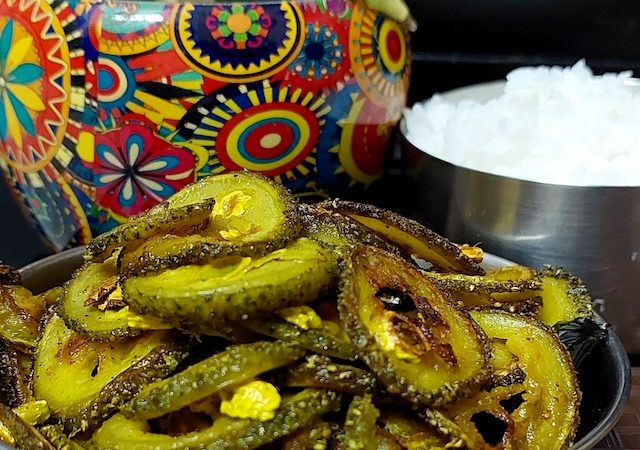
593	232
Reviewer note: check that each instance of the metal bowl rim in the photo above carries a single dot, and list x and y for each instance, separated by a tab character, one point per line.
478	87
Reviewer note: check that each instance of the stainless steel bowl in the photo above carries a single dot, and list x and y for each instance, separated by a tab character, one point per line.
605	393
593	232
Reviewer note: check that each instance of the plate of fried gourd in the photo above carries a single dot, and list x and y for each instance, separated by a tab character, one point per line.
233	316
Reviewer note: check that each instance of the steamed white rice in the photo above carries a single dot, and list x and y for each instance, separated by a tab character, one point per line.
552	125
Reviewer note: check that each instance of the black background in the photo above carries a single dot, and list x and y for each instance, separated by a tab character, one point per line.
460	43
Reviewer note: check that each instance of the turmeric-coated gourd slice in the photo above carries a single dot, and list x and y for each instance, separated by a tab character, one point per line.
415	239
564	297
234	288
233	366
161	218
226	433
549	416
92	304
417	341
83	381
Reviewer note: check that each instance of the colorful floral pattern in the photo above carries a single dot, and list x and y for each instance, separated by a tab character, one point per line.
135	169
18	100
109	107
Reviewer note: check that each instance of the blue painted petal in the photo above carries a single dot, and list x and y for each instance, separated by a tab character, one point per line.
5	42
25	73
22	114
3	119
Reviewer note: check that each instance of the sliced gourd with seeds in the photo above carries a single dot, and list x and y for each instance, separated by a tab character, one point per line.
417	341
416	240
162	218
550	384
226	433
234	288
92	304
93	378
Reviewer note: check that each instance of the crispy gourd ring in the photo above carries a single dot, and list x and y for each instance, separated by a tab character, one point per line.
232	289
92	378
549	416
415	239
564	297
226	433
428	350
93	286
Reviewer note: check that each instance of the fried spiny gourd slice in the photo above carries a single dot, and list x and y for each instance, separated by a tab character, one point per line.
15	374
252	216
226	433
234	288
83	381
359	431
421	344
338	230
414	433
475	290
322	372
315	436
20	314
18	434
170	251
235	365
92	304
415	239
249	207
549	416
161	218
323	339
564	297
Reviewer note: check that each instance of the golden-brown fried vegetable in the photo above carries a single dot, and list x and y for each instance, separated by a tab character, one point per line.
548	418
249	207
235	365
416	340
415	239
162	218
321	340
321	372
339	230
170	251
315	436
234	288
20	313
359	431
226	433
34	412
93	378
564	297
411	432
476	291
15	432
15	375
92	304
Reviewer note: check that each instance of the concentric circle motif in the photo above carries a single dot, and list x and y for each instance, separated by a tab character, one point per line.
380	58
116	86
35	84
323	62
353	147
264	128
238	42
56	211
129	28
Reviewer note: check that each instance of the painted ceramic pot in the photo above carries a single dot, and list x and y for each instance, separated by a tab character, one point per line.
108	108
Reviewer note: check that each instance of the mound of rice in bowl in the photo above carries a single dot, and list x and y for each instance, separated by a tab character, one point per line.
551	124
